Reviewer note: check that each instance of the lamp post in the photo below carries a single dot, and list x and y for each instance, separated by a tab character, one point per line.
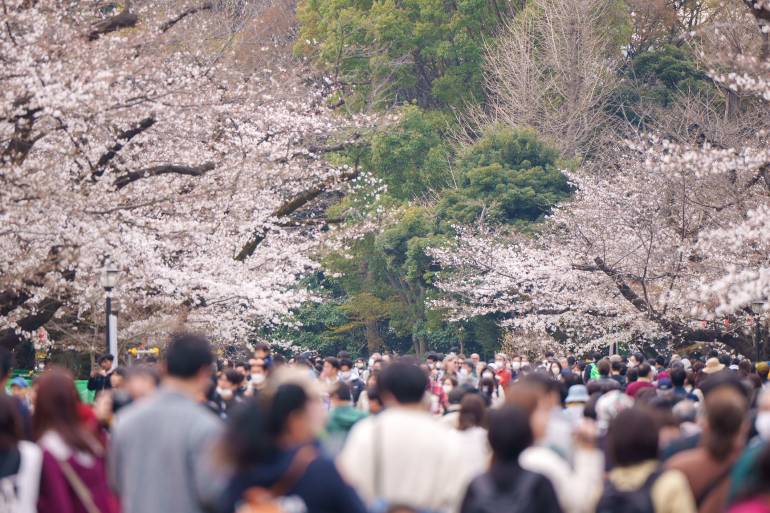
757	307
109	280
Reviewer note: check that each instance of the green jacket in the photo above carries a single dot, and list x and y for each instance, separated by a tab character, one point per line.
342	419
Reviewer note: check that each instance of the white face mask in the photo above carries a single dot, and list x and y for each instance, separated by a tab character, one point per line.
344	376
258	379
762	423
225	393
516	366
499	364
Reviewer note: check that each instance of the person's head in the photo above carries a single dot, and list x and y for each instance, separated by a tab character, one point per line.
19	387
258	373
142	381
340	395
604	368
632	374
509	433
331	367
233	379
617	368
529	396
346	367
10	423
472	412
56	409
360	364
262	350
644	371
475	358
660	361
375	401
402	383
118	378
105	361
289	420
188	360
678	376
554	368
243	368
632	437
725	421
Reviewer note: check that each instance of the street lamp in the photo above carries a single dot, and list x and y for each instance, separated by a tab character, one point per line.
757	307
109	281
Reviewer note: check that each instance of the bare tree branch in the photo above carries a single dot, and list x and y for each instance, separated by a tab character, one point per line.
192	10
166	169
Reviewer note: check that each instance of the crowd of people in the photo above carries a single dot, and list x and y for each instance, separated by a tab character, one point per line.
389	434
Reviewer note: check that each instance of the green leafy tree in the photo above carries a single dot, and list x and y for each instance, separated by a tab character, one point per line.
509	176
392	51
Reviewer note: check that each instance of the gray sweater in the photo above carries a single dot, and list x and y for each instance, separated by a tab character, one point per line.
160	458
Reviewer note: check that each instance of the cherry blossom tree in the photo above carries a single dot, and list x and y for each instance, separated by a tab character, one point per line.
666	238
143	135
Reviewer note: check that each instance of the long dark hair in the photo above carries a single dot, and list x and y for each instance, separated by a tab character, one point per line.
256	425
56	409
10	423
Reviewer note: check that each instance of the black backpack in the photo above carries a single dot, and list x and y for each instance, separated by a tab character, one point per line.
629	501
487	498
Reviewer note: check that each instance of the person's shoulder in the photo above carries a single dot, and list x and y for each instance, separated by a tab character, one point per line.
686	458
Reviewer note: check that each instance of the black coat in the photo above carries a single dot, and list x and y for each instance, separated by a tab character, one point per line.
508	487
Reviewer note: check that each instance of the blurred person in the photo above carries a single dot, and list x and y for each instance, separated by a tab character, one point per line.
451	417
742	476
755	498
502	371
142	382
271	445
636	482
678	378
100	377
118	378
262	352
20	463
575	403
349	375
472	424
644	380
363	399
330	373
226	394
604	383
342	417
618	372
707	467
243	368
490	388
415	461
507	487
573	483
257	378
19	390
161	456
73	478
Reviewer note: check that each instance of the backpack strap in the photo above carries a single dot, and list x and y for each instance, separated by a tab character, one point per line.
299	464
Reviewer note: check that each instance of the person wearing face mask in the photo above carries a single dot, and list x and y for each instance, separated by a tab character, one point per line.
258	378
349	376
226	396
502	371
743	475
490	388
